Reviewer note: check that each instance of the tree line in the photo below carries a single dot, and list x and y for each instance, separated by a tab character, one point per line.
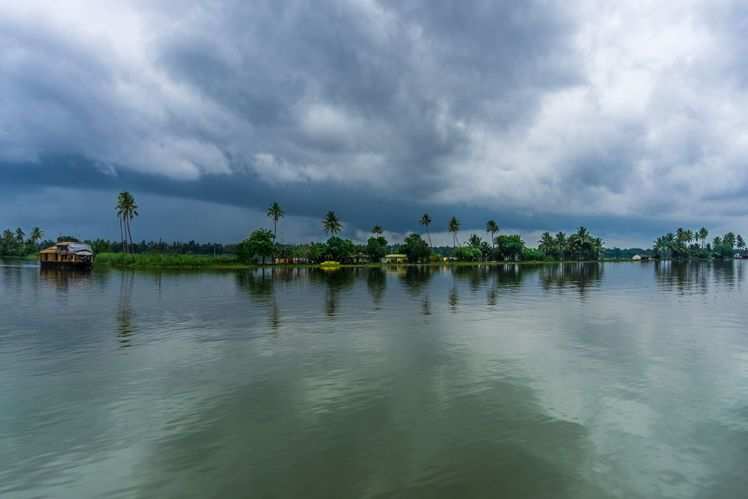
262	245
17	243
686	244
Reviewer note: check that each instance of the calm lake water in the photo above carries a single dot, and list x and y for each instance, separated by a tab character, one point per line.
574	381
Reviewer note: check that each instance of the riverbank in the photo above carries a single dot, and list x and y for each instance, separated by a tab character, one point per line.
231	262
167	261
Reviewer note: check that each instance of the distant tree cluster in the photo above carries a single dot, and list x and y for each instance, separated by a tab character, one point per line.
174	247
16	243
685	244
580	245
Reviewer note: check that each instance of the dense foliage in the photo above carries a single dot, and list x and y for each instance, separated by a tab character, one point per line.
580	245
416	249
685	244
257	247
16	243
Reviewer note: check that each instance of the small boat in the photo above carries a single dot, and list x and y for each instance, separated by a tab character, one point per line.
329	265
67	254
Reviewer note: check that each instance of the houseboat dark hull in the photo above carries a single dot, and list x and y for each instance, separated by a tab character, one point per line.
81	265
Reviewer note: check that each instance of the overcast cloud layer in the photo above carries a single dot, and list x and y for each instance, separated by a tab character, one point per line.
626	116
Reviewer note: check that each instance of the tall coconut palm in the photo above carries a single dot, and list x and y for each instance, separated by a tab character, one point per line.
703	234
492	228
426	221
331	224
377	231
561	244
127	210
275	212
454	228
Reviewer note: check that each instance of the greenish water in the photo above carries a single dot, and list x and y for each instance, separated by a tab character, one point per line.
574	381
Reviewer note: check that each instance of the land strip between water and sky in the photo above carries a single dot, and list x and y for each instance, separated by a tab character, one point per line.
262	248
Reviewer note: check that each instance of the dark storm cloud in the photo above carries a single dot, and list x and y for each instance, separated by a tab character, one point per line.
537	113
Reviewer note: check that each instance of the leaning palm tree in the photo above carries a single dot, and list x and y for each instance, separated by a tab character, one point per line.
454	228
276	213
492	228
426	221
127	210
331	224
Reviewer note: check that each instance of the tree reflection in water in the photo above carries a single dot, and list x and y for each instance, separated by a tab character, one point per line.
335	282
695	276
578	275
376	282
416	279
260	285
125	313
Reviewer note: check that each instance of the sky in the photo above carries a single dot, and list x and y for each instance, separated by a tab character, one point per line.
627	117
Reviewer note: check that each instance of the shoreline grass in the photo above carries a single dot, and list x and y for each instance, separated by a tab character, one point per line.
166	261
231	262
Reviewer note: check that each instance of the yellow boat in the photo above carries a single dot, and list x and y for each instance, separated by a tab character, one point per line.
329	265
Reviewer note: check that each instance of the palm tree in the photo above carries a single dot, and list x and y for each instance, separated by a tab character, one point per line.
127	210
36	235
426	221
740	243
581	244
276	213
331	224
680	235
20	235
377	231
561	243
547	245
492	228
454	228
703	234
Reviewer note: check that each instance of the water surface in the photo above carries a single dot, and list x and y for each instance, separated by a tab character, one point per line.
564	381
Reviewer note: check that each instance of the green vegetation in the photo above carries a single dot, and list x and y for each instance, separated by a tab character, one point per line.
262	247
127	210
168	261
258	246
454	229
687	244
416	249
426	222
275	212
331	224
16	244
581	245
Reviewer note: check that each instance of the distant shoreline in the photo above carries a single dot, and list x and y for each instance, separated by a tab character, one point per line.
244	266
142	261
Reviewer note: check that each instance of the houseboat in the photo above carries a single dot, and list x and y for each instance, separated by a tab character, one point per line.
67	254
